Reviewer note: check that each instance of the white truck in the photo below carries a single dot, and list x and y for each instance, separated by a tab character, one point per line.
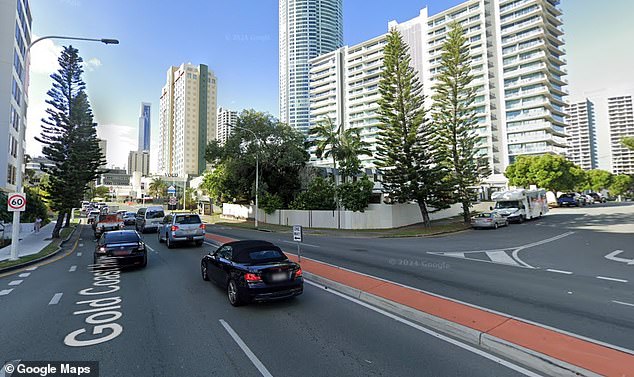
520	204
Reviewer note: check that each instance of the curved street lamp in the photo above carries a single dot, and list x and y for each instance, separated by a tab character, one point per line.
15	231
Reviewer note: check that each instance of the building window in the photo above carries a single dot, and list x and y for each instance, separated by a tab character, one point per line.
15	119
11	172
15	90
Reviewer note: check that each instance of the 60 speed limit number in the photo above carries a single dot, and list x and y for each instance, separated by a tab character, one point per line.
16	202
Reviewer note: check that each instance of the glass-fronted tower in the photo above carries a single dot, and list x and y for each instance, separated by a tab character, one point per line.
308	28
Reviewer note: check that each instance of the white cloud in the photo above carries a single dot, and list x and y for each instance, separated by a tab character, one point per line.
44	57
121	140
91	64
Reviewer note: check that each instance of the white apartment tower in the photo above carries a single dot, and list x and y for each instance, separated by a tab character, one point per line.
516	58
621	120
139	161
581	129
307	28
15	36
187	119
226	120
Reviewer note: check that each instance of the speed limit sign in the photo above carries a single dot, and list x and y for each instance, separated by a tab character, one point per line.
16	202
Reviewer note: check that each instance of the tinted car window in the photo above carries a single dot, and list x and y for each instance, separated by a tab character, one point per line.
485	215
266	255
117	237
154	215
188	219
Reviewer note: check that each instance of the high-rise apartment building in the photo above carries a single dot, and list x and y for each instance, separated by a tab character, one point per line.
139	161
581	129
307	28
621	120
187	119
145	127
15	36
226	120
516	59
103	148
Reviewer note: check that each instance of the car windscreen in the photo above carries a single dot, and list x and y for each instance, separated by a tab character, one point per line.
187	219
507	204
130	214
154	214
117	237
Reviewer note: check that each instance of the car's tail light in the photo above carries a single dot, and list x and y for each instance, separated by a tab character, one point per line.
202	226
174	228
488	220
298	273
252	278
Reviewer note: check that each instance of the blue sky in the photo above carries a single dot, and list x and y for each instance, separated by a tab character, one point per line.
238	40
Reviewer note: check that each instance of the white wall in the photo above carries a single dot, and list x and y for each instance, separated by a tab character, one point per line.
376	216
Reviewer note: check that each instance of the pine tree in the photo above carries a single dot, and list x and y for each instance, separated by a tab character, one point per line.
69	138
404	152
454	119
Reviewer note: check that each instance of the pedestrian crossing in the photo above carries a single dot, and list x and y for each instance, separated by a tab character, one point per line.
503	256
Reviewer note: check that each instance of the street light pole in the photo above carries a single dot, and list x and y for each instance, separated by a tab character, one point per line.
15	231
257	172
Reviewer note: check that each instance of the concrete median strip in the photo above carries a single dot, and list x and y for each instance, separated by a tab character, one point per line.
539	347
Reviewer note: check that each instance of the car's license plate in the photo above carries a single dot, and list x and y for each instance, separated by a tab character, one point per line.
121	252
279	276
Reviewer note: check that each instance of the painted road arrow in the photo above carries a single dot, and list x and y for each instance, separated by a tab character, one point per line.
613	256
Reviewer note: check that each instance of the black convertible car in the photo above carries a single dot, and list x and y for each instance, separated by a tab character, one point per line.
252	271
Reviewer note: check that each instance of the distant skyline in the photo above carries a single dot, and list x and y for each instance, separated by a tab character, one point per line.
238	40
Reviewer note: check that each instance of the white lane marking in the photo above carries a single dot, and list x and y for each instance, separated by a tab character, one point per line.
32	268
24	275
612	279
81	245
559	271
547	240
435	334
258	364
501	257
211	244
303	244
622	303
623	349
55	299
150	248
16	282
613	256
72	269
5	292
516	256
79	254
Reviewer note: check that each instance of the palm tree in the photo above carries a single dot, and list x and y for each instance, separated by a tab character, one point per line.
327	140
351	146
157	187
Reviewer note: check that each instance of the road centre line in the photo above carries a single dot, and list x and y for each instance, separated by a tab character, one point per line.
16	282
258	364
55	299
24	275
79	254
612	279
5	292
622	303
435	334
150	248
72	268
559	271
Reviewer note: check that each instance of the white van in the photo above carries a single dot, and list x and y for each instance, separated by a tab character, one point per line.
149	218
519	205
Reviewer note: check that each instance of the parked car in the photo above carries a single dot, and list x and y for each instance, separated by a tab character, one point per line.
181	227
598	198
129	218
489	220
568	200
588	198
124	246
252	271
149	218
93	215
106	223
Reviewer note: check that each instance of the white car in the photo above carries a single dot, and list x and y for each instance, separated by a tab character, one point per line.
589	199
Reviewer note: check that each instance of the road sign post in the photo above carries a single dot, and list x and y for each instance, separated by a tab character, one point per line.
298	236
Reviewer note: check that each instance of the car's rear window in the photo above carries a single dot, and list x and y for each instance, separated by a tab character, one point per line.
187	219
118	237
485	215
266	255
154	214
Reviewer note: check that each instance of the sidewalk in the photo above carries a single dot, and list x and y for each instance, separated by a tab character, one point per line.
30	242
546	349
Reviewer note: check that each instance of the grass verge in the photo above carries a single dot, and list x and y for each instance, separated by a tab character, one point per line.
47	250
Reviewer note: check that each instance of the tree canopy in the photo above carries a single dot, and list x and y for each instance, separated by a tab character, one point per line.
552	172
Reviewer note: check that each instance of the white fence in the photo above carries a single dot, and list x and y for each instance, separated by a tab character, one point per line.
376	216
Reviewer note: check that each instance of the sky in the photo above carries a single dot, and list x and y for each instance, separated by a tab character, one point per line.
238	40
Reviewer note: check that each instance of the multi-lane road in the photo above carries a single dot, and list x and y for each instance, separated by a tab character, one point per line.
164	320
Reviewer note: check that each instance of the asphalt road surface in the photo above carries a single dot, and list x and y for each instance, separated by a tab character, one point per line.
164	320
567	270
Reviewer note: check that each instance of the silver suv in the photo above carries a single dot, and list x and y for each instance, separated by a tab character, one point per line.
181	227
